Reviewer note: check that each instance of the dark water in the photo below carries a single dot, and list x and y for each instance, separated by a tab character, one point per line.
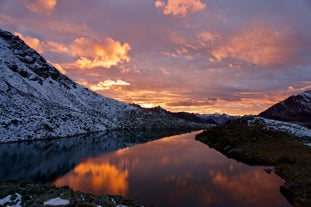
172	171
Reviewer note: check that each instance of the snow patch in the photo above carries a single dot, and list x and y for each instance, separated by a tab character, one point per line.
56	202
308	144
12	200
290	128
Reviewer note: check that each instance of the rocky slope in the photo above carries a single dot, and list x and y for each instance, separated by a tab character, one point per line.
296	109
37	101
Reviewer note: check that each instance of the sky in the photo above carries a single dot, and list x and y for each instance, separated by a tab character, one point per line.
202	56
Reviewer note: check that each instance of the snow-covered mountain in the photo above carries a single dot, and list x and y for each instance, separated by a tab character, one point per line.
296	109
220	119
37	101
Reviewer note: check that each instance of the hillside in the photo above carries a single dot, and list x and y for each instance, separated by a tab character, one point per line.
38	102
296	109
259	141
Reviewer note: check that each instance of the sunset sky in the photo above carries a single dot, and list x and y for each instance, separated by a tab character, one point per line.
205	56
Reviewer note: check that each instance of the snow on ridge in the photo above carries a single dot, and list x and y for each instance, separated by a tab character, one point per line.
306	93
290	128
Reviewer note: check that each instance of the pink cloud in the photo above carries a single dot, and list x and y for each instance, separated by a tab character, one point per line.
180	7
41	7
256	44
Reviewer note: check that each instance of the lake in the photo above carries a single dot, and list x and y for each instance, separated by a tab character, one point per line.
175	170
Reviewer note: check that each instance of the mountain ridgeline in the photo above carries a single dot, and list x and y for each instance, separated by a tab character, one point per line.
296	109
38	102
210	119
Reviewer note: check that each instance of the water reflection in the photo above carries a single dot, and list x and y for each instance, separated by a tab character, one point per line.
47	160
97	177
176	171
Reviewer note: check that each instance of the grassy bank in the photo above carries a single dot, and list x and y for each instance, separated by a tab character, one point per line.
256	146
27	193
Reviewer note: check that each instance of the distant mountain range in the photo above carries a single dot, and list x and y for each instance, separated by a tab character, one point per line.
295	109
211	119
38	102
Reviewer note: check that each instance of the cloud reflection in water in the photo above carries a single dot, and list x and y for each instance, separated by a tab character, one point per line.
176	171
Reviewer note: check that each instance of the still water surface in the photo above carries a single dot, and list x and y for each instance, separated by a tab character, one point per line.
175	171
171	171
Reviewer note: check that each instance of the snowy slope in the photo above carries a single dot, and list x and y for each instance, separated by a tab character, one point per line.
37	102
290	128
296	109
281	126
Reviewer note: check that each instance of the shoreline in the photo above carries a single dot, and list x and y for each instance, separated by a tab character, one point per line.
30	193
254	145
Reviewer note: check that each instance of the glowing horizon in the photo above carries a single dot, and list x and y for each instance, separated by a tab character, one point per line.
199	56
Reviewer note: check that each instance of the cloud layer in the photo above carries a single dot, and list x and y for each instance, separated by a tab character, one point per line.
237	57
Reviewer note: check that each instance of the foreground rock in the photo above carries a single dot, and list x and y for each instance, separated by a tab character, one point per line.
255	145
13	193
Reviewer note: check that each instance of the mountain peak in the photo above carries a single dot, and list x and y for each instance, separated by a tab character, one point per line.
296	109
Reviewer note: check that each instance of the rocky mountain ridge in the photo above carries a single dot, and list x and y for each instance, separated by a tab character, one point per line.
296	109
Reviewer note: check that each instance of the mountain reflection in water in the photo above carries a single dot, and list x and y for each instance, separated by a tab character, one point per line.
46	160
175	171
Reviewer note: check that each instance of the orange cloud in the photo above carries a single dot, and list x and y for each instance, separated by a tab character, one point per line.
180	7
258	45
40	6
90	53
107	84
42	47
105	53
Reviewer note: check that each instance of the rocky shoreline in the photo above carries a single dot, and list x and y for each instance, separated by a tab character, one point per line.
255	145
33	194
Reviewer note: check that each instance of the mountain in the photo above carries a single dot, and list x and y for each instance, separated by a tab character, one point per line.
38	102
210	119
296	109
220	119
